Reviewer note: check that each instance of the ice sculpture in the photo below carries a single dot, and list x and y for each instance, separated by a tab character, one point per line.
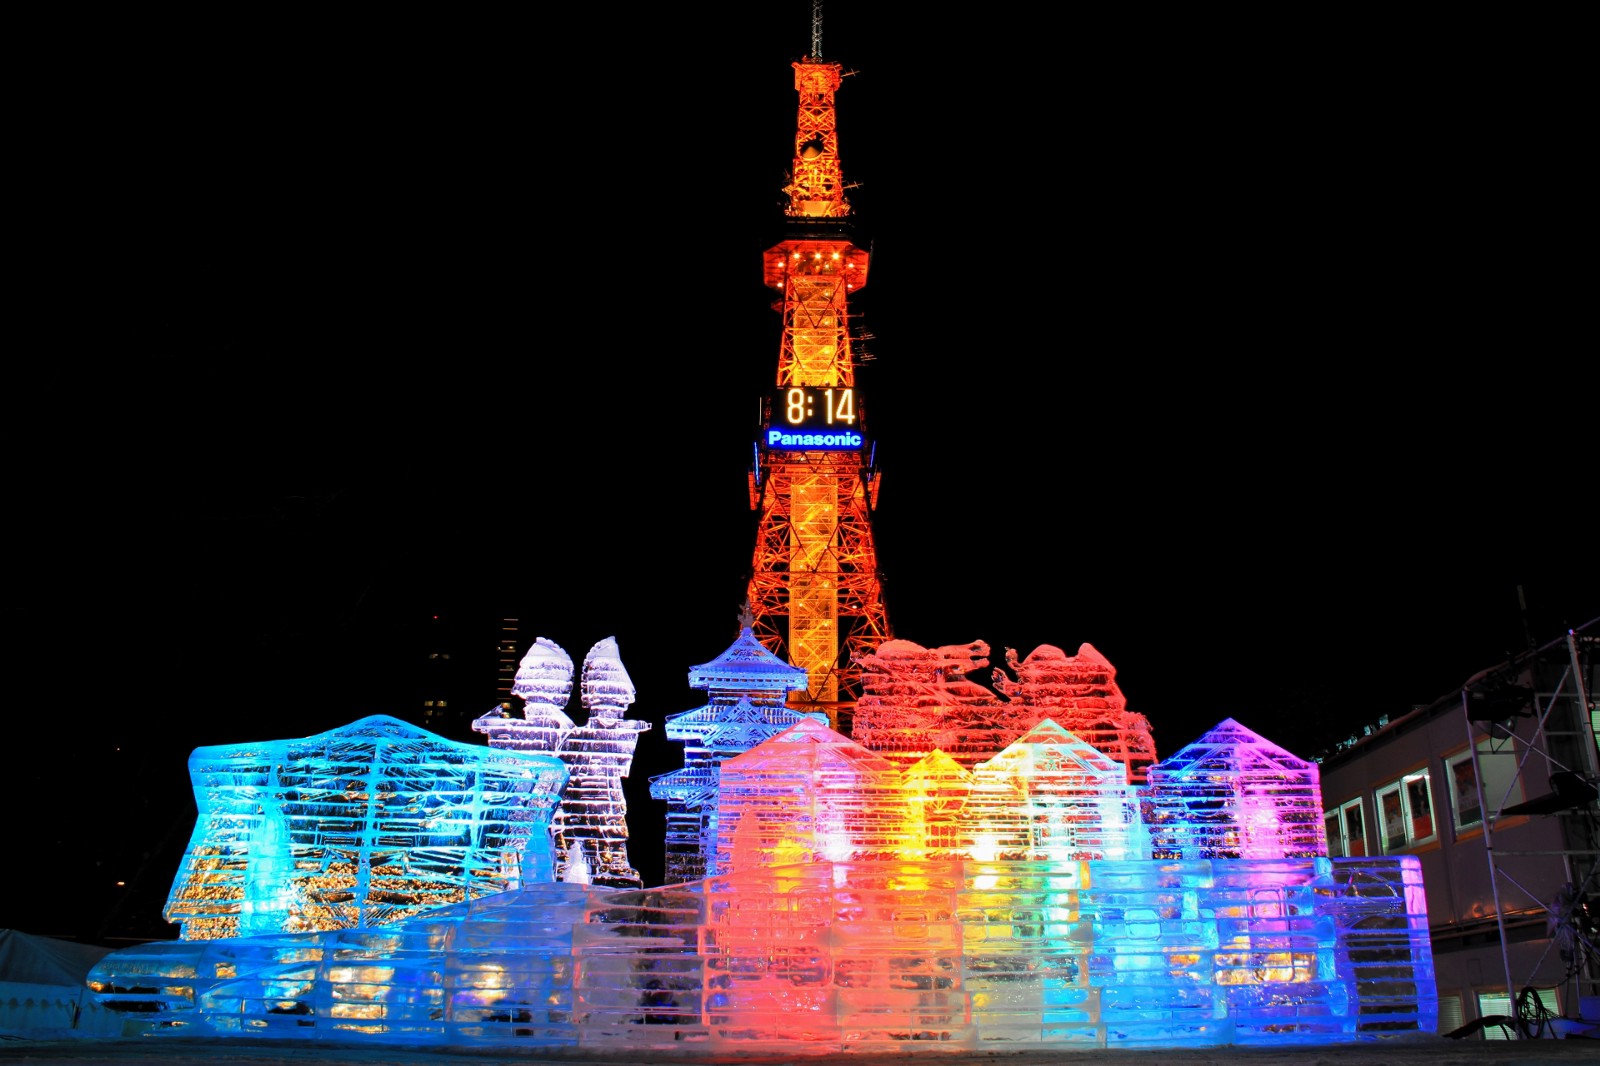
870	952
1234	795
1051	796
810	795
361	826
591	827
915	700
747	686
544	684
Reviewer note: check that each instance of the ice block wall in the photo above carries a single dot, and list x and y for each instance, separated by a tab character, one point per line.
824	958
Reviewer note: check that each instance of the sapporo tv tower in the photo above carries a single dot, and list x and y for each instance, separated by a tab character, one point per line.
814	597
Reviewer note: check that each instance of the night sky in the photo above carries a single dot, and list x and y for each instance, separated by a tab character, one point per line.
1242	353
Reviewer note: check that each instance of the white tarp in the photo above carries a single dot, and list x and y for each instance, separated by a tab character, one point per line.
42	990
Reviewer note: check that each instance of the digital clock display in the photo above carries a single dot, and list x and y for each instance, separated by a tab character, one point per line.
807	418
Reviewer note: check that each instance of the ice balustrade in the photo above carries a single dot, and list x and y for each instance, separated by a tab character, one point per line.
852	916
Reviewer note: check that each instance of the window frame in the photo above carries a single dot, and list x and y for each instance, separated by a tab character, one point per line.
1402	790
1340	816
1503	752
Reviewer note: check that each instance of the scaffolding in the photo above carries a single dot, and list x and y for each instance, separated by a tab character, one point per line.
1531	718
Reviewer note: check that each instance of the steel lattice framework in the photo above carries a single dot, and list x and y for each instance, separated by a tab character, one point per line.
814	590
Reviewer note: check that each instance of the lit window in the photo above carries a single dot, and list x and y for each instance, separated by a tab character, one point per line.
1497	765
1405	811
1347	834
1497	1006
1451	1017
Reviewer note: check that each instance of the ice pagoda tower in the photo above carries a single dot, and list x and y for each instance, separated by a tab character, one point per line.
747	686
814	589
591	828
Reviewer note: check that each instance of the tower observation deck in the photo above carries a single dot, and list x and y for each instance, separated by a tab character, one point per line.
814	589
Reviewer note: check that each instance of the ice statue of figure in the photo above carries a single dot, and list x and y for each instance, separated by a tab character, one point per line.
594	810
360	826
544	683
598	753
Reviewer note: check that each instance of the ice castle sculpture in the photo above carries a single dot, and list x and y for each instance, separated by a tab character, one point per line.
917	699
747	686
865	905
361	826
591	827
1233	795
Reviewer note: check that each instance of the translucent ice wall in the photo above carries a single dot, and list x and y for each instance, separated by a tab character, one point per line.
839	957
360	826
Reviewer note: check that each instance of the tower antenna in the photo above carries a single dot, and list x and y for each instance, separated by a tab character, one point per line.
816	29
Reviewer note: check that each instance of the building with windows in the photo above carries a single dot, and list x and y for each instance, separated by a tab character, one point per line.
1493	788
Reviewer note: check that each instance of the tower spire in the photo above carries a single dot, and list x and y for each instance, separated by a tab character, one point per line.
814	589
816	189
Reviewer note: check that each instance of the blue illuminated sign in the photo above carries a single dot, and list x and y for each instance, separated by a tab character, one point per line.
805	418
840	440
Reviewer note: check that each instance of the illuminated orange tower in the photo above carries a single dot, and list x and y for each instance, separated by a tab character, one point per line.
814	591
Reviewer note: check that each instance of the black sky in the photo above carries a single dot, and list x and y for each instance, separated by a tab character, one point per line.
1248	354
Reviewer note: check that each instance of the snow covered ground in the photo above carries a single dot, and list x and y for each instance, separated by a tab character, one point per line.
1424	1051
